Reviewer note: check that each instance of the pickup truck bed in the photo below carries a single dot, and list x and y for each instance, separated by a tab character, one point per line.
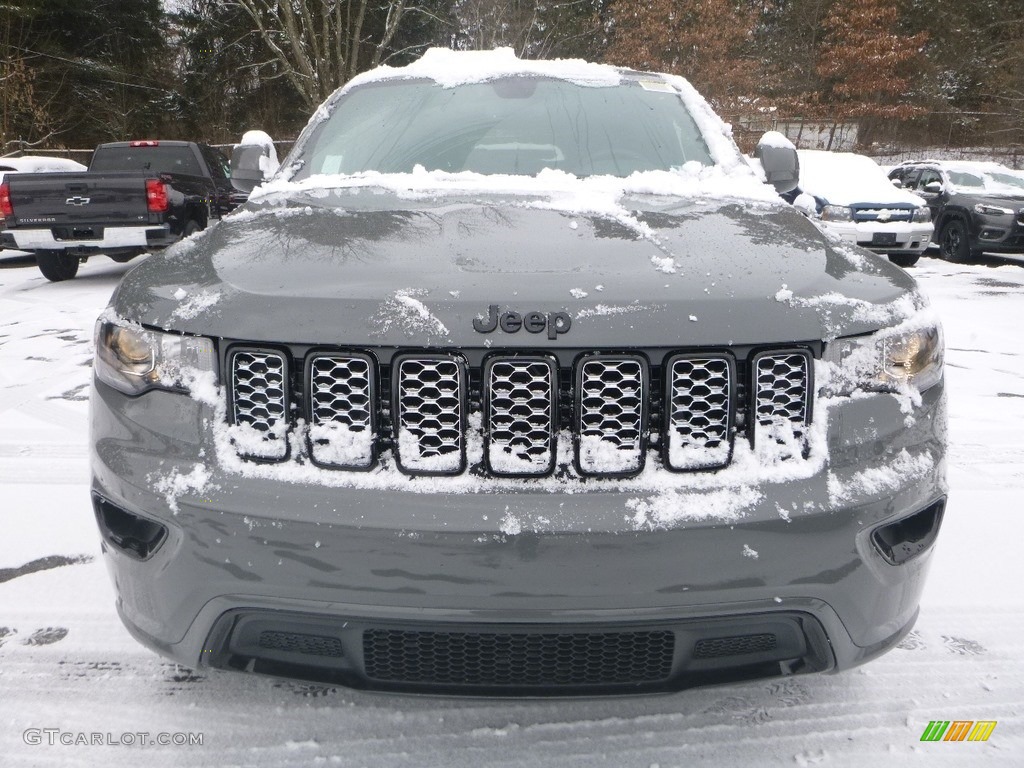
136	197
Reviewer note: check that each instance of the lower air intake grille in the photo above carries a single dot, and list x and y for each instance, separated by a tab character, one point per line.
734	646
294	642
518	659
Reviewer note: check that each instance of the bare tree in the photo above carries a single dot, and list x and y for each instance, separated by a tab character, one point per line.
321	44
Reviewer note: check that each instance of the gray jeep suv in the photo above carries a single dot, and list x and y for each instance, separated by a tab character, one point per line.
516	380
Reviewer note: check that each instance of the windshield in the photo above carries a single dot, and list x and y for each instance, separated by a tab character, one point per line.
514	125
990	181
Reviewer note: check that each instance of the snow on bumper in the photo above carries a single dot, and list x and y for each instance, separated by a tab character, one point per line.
530	555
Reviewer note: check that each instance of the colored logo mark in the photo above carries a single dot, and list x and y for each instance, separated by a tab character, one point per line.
959	730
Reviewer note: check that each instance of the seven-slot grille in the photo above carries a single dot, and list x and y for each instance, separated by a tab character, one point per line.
695	403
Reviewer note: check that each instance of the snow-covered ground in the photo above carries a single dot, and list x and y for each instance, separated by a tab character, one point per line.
67	664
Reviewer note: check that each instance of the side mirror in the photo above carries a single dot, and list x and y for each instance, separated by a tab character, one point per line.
247	170
933	187
898	183
780	161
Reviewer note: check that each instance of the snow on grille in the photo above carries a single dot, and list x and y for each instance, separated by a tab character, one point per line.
699	412
781	382
610	396
430	420
341	411
260	404
520	416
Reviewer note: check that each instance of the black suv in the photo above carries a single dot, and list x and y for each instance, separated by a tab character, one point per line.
976	206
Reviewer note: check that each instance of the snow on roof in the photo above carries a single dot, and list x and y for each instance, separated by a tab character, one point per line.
845	178
450	68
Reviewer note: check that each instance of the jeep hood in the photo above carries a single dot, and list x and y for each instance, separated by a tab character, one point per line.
370	269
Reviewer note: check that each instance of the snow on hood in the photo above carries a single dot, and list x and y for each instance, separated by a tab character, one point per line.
843	178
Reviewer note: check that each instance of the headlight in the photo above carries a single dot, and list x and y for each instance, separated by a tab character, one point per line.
890	360
922	214
133	359
992	210
836	213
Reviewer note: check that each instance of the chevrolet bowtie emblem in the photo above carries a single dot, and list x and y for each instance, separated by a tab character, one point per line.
77	200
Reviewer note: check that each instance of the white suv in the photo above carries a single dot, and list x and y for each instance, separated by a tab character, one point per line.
856	201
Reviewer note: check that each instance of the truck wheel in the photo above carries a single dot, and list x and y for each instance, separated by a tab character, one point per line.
57	266
953	244
904	259
191	227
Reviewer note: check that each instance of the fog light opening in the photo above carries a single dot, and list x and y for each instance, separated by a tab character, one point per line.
135	536
905	539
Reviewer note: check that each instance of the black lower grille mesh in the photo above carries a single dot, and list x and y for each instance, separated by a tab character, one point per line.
734	646
295	642
518	659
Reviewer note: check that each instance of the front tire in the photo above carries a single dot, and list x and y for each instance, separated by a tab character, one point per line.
904	260
954	244
57	266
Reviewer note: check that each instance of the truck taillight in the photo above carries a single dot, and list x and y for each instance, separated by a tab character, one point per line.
156	196
149	143
6	207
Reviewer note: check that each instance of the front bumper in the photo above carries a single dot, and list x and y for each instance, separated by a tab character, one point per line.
998	234
314	561
898	236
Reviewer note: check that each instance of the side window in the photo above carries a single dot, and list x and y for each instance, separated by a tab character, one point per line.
220	168
928	175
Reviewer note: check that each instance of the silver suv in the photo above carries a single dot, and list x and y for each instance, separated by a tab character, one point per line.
516	380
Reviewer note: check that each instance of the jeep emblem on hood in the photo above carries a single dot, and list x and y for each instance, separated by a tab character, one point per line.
556	323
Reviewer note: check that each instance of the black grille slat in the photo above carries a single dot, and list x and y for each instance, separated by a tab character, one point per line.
259	383
520	416
699	394
718	647
610	423
518	659
782	388
341	407
430	414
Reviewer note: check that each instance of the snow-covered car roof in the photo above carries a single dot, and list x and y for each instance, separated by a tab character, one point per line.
38	164
845	178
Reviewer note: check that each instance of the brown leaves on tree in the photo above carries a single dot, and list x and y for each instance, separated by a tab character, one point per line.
868	68
706	41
